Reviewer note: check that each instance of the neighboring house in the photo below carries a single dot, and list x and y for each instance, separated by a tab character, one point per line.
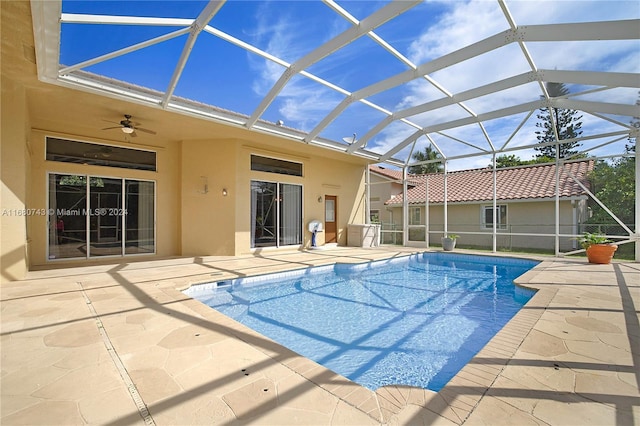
526	204
384	183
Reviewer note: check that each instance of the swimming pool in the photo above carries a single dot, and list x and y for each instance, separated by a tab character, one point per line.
415	320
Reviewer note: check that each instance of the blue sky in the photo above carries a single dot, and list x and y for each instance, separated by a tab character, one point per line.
221	74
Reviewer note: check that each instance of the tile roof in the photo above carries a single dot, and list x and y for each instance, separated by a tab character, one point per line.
527	182
390	173
395	174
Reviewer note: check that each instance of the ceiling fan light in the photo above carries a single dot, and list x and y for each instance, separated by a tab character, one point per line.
128	130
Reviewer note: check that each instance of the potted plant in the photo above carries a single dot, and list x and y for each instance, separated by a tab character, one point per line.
598	247
449	242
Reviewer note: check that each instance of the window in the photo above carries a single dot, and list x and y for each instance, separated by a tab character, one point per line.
501	217
374	216
276	214
273	165
67	151
414	215
100	216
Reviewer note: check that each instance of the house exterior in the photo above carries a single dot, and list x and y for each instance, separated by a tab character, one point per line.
74	193
525	209
384	183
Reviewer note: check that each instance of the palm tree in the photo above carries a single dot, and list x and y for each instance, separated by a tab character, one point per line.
428	154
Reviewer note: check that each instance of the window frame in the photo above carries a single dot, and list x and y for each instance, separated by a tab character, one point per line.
87	207
266	168
113	160
412	221
278	215
501	220
376	213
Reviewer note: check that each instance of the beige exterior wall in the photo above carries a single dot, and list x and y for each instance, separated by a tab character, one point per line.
166	180
381	190
214	224
189	222
15	173
537	217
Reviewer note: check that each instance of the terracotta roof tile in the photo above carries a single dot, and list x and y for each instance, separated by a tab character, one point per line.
395	174
528	182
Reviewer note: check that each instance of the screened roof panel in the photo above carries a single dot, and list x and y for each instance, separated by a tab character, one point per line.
391	72
211	79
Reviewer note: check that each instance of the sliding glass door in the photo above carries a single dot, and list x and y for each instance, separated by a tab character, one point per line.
105	218
140	217
100	216
276	214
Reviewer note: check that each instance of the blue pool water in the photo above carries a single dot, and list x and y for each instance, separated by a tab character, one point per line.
415	320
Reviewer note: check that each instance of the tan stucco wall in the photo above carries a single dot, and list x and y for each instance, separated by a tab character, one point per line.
522	217
323	175
15	175
208	219
381	190
167	192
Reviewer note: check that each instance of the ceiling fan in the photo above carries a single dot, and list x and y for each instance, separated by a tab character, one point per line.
129	127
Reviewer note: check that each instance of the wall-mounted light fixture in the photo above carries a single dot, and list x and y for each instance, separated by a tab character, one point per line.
205	185
224	192
319	198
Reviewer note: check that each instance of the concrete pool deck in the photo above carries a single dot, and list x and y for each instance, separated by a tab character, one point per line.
120	344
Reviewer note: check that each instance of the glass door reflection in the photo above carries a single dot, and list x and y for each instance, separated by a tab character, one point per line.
105	221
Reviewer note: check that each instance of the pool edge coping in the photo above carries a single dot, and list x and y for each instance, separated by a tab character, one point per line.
456	400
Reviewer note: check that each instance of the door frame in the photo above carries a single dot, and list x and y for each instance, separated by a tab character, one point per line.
327	229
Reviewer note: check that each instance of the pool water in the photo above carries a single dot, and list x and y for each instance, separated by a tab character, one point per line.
415	320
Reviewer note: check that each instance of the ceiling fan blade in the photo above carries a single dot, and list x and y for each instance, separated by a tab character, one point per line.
151	132
115	127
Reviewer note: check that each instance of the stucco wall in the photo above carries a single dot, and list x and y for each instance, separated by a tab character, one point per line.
380	191
15	173
208	219
167	191
536	217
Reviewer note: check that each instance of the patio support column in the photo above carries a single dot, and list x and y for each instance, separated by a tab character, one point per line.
637	234
426	209
367	194
446	199
557	196
405	208
495	205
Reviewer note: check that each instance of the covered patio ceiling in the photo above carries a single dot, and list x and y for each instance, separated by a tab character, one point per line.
365	78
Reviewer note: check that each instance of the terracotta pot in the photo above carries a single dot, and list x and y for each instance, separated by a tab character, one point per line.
601	253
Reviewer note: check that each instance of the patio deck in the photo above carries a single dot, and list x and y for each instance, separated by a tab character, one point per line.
120	344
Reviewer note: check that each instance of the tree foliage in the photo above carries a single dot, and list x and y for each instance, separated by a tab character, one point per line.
614	184
566	122
513	160
428	154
